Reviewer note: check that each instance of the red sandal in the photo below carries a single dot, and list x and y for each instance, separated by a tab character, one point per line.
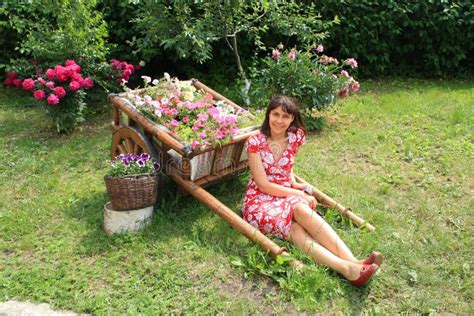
375	257
366	273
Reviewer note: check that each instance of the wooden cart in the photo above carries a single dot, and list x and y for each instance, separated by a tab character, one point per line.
193	170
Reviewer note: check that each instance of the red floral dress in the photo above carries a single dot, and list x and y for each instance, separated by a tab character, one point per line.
272	215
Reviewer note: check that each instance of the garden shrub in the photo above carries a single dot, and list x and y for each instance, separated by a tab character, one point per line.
310	76
412	37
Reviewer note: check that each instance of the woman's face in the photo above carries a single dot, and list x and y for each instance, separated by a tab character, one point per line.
280	120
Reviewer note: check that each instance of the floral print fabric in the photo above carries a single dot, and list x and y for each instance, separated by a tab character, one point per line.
272	215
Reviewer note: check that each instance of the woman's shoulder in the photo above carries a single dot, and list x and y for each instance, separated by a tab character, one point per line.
296	135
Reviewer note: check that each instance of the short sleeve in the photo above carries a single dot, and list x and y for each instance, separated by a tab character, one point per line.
252	144
300	137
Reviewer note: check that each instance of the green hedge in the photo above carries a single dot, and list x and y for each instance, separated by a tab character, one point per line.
403	37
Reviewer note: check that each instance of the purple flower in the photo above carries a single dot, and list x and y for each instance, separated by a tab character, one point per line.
145	157
140	163
156	166
126	162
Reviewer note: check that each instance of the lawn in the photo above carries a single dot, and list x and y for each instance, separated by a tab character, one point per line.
400	154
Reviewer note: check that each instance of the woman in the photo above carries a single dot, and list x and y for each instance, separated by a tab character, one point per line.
277	205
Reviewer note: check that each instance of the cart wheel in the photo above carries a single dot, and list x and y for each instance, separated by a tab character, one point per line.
130	140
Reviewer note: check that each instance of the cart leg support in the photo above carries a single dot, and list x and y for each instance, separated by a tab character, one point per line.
230	217
320	196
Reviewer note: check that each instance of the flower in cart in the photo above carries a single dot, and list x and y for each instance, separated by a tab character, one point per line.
130	164
188	113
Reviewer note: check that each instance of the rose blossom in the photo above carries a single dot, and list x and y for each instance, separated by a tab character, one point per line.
320	48
39	94
345	73
74	86
28	84
50	74
60	92
50	84
87	82
52	99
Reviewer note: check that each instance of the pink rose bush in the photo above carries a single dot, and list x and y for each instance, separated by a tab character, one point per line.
59	89
192	115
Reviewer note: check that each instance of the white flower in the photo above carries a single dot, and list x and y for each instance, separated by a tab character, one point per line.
146	79
283	161
155	82
167	76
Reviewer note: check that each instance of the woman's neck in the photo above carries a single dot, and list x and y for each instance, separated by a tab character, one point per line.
277	137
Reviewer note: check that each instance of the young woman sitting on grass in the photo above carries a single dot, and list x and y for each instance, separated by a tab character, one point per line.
277	205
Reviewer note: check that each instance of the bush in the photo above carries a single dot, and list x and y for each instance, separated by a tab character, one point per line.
402	37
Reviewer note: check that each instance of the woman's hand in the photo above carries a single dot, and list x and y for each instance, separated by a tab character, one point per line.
298	186
311	201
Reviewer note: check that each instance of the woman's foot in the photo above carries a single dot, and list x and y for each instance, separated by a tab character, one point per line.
375	257
367	271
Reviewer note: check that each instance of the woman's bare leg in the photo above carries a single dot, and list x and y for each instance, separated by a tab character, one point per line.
322	232
299	237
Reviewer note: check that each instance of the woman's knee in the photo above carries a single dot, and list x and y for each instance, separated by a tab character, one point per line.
304	213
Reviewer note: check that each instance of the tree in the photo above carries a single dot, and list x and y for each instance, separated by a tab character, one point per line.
190	28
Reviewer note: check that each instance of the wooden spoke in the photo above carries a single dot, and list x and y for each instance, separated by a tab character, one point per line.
131	140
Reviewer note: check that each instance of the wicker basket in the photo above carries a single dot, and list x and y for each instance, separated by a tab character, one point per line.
132	192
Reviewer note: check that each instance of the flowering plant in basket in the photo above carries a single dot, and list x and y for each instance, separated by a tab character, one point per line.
132	182
126	165
192	115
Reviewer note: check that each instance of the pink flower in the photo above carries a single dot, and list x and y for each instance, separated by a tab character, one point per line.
185	119
202	117
174	123
351	62
38	71
87	82
344	92
195	144
276	54
50	74
320	48
41	81
60	92
292	55
28	84
69	62
17	82
9	81
231	119
202	134
345	73
355	86
50	84
52	99
39	94
74	86
324	60
11	74
76	77
220	134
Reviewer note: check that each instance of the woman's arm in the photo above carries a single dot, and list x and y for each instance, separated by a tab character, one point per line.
259	175
294	184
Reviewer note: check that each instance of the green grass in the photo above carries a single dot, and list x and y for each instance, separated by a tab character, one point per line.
400	154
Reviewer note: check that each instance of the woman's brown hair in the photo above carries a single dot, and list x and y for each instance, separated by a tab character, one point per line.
289	106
